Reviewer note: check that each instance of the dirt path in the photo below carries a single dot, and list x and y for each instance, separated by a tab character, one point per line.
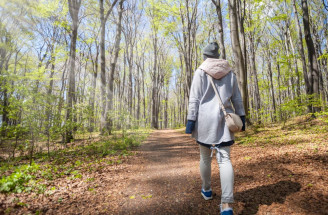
166	182
164	179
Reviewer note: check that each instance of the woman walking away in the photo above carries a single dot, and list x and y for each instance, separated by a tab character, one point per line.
206	121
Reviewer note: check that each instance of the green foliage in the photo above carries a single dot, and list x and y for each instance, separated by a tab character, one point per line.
294	105
323	56
299	104
323	116
27	178
279	17
19	180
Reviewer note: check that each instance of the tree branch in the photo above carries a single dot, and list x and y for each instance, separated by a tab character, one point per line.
110	10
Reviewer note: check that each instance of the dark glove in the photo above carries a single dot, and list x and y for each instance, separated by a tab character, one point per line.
190	126
243	119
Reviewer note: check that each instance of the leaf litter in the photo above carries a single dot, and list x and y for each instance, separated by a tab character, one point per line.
275	175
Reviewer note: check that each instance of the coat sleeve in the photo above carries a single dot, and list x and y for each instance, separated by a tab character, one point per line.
236	98
196	94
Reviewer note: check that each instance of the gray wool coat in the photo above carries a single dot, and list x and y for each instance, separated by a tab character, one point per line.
204	108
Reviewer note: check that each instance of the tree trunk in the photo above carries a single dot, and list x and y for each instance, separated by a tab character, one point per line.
166	108
4	62
318	53
240	21
93	92
154	122
110	98
298	87
102	67
103	20
49	94
130	94
257	97
138	96
143	90
217	4
290	75
271	86
238	56
307	80
74	7
313	67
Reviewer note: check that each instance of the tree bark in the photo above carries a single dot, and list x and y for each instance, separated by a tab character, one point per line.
110	98
298	85
94	88
307	80
238	56
4	62
103	20
271	86
257	96
217	4
49	94
313	66
74	7
290	75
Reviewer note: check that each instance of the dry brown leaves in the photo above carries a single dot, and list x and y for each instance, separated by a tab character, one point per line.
163	178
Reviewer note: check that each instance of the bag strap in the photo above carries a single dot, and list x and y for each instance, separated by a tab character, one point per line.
217	95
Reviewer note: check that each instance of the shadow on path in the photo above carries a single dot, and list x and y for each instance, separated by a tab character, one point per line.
266	195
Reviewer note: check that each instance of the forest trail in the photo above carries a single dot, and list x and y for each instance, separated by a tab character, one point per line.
277	171
164	179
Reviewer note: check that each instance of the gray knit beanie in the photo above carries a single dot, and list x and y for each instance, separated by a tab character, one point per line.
211	50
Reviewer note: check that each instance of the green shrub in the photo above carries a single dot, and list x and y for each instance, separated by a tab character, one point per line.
323	116
17	182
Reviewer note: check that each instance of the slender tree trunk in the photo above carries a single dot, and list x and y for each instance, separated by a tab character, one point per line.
166	115
110	98
74	7
103	20
5	112
313	66
318	53
257	98
154	123
271	86
49	94
217	4
138	96
307	79
238	56
279	92
61	100
241	17
102	67
143	90
291	78
4	62
298	87
130	95
93	92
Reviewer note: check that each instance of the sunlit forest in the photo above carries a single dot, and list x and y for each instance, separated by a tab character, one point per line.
88	80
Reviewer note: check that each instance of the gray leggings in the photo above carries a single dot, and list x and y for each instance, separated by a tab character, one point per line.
226	171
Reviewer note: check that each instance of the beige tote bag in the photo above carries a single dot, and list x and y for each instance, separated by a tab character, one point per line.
233	121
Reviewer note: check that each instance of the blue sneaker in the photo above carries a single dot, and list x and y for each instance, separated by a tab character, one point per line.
227	211
207	194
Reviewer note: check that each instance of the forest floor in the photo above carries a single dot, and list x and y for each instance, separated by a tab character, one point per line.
278	170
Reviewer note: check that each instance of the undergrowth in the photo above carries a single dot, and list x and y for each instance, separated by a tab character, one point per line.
17	176
300	130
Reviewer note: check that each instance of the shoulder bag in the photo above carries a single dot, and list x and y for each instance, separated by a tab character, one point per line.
233	121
